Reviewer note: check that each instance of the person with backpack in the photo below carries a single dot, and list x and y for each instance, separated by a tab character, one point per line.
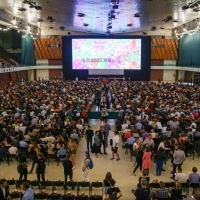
112	192
40	167
22	168
88	164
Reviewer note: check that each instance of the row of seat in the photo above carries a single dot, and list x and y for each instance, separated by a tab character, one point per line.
53	185
41	196
186	186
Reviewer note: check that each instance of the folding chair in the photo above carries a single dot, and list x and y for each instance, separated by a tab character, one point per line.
185	186
59	184
80	197
96	197
67	197
15	195
83	185
54	197
41	196
96	185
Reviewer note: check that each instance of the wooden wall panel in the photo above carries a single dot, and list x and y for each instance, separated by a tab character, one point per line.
188	76
55	62
12	76
155	62
156	74
54	73
166	49
43	51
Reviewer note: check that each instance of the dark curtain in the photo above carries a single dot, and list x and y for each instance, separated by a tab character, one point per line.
16	39
28	58
189	49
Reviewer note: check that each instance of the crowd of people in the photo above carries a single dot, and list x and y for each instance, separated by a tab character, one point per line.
47	119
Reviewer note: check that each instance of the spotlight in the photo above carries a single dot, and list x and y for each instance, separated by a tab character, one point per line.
26	2
39	20
62	28
69	33
85	24
185	7
129	25
81	15
38	8
153	28
144	33
137	15
22	9
115	7
109	27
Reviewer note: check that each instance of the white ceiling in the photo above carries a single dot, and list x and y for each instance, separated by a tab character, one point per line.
96	14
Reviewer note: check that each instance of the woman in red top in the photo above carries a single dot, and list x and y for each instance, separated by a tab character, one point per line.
146	159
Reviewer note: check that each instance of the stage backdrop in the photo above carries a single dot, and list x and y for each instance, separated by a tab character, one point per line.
131	54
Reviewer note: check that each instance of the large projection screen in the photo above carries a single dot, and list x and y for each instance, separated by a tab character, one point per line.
104	54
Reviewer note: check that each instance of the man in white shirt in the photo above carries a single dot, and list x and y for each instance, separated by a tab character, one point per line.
115	146
180	176
12	150
162	145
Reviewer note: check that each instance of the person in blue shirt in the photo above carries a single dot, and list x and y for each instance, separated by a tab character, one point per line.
138	125
29	194
131	140
62	153
23	144
74	136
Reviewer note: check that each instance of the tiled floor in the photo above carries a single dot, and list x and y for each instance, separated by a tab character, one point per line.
121	170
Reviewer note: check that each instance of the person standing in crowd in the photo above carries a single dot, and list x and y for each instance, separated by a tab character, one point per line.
28	192
112	192
146	159
72	146
159	158
85	167
62	153
96	144
138	155
68	166
179	158
102	136
89	133
40	167
107	128
106	182
4	190
115	146
23	164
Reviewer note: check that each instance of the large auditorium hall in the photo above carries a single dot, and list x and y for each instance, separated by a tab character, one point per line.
99	99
